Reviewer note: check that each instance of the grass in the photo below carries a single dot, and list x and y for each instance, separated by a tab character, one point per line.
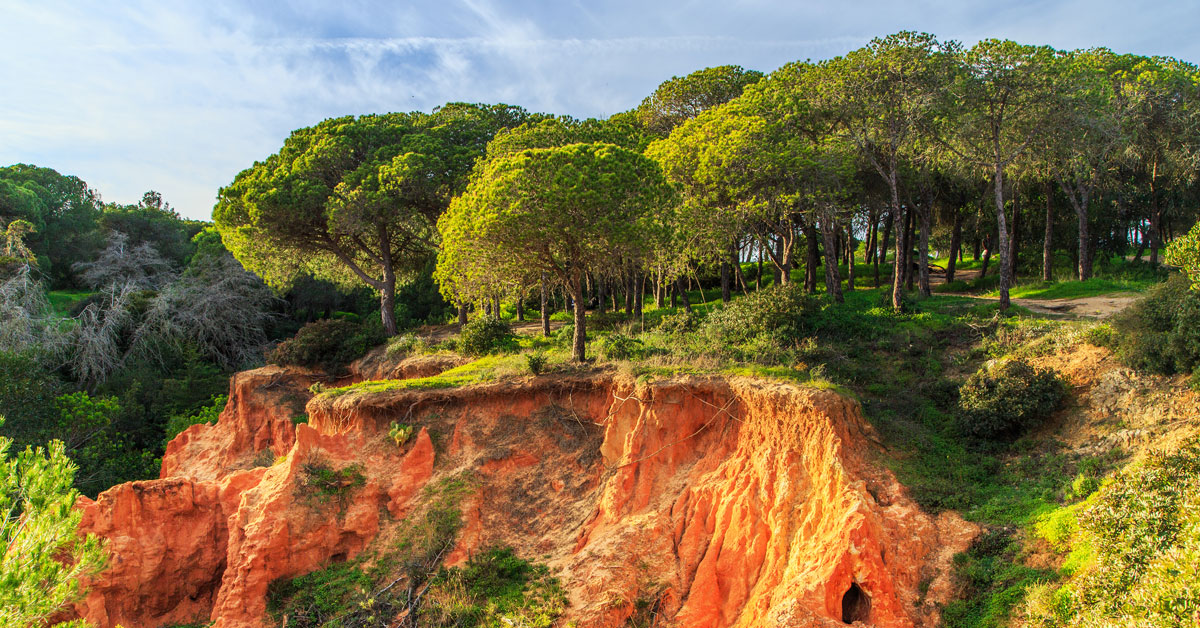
62	301
483	370
1093	287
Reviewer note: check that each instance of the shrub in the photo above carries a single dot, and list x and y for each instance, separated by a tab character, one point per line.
484	335
1005	398
330	345
621	347
536	363
679	323
208	414
400	433
780	310
1142	531
564	335
405	344
1161	332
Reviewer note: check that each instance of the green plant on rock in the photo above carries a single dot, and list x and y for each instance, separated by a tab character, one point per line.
325	483
1007	397
400	433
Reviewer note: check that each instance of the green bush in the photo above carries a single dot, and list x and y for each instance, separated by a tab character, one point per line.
486	334
1005	398
536	363
1161	332
208	414
330	345
778	310
621	347
1142	531
679	323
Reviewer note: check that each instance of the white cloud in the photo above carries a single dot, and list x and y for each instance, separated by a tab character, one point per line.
151	95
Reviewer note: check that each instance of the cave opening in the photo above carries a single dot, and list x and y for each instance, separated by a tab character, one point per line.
856	605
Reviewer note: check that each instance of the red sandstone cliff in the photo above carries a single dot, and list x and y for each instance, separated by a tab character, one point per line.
732	503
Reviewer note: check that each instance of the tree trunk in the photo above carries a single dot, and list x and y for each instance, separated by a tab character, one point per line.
1002	234
520	310
674	294
987	258
881	254
1014	244
910	230
955	247
601	295
976	246
462	313
898	263
926	216
812	259
579	346
725	276
1048	236
387	303
849	259
1084	269
833	279
736	260
778	255
638	293
680	289
758	277
545	308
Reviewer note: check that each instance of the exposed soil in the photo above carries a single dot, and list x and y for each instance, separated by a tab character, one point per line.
722	502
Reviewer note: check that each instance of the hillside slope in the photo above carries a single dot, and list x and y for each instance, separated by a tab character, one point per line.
713	502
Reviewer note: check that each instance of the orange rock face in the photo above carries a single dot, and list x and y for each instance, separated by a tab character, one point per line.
718	503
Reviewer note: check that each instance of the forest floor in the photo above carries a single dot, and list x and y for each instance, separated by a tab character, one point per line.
1092	306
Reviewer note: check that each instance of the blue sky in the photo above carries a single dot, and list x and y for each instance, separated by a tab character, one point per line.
179	97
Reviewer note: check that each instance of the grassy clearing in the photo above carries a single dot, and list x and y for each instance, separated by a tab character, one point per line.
62	301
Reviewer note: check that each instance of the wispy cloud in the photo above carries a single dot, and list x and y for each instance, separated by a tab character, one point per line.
146	94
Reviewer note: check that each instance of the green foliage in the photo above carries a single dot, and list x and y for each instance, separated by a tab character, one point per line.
330	345
1160	333
494	589
44	558
325	482
340	197
1141	535
207	415
682	98
1005	398
400	433
778	310
321	597
405	344
1184	252
536	362
563	211
350	595
484	335
680	322
992	579
617	346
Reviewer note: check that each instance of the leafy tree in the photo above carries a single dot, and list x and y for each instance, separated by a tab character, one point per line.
356	199
565	211
43	557
1184	252
992	112
63	210
683	98
884	95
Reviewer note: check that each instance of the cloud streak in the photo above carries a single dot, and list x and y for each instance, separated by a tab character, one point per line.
143	95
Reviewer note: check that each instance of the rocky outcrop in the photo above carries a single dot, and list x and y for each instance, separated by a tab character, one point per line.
715	502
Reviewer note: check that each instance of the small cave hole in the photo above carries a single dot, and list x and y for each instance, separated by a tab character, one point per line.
856	605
